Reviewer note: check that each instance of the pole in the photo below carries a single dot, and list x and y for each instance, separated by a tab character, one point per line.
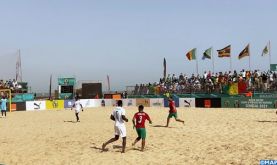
50	88
108	81
269	47
213	58
249	57
10	98
20	65
230	62
196	63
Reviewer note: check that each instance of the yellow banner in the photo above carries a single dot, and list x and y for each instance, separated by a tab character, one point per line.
55	104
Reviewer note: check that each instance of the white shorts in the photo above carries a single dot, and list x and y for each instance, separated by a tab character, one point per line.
120	131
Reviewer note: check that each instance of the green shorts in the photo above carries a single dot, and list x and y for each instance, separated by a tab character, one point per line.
141	132
170	115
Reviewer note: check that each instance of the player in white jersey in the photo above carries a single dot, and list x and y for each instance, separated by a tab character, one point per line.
118	115
78	107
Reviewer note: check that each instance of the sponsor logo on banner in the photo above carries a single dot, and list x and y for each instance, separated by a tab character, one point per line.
144	102
159	102
35	105
129	102
187	102
68	103
54	104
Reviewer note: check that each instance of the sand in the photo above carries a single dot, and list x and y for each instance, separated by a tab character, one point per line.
210	136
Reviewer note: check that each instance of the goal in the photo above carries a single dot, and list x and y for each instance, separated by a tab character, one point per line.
8	94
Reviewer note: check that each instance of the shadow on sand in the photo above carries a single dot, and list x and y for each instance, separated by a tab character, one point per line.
158	126
70	121
266	121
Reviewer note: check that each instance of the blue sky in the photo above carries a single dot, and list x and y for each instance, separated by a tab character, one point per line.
129	39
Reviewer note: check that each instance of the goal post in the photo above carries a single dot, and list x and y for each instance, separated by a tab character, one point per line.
8	94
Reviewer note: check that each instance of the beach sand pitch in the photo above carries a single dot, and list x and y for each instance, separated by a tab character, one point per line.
209	136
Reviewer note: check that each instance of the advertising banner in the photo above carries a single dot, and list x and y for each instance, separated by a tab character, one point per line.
187	102
55	104
21	106
144	102
256	102
230	102
68	103
129	102
35	105
176	100
103	102
157	102
88	103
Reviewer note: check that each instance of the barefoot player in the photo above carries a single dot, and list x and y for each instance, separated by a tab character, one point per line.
139	122
118	115
78	107
172	112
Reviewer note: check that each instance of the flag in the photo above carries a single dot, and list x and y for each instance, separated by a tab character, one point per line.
207	54
242	87
164	68
244	52
265	50
225	52
233	89
191	55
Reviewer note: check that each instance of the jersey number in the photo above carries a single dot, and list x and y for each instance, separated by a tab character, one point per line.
140	119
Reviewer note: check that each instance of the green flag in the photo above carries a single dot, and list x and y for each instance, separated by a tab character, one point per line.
207	54
265	51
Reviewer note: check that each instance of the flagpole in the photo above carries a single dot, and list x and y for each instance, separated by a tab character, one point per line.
50	88
269	47
230	62
213	58
196	62
249	57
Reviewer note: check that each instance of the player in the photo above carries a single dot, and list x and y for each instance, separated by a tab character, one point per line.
118	115
78	107
139	123
3	107
172	111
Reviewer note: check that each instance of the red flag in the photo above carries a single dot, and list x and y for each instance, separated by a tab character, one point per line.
242	87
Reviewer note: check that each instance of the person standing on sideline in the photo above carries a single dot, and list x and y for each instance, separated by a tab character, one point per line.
118	116
172	112
139	123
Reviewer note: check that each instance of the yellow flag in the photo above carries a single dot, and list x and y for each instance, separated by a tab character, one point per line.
233	89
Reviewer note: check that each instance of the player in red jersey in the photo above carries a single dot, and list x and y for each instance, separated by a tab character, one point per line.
172	111
139	123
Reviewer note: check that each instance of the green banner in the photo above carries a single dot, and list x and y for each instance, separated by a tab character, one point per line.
228	102
261	103
273	67
67	81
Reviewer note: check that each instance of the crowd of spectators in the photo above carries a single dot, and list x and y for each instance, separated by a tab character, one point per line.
208	82
10	84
